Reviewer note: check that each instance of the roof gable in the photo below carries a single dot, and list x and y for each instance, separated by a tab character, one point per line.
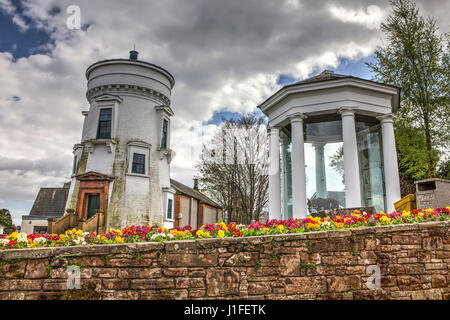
326	80
324	76
50	202
188	191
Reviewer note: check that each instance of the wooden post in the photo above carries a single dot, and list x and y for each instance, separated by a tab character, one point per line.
99	214
51	225
81	224
72	218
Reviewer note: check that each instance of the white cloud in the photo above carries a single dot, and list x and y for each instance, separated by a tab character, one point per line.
20	22
7	7
371	16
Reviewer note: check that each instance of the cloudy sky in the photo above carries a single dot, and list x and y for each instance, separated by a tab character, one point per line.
227	56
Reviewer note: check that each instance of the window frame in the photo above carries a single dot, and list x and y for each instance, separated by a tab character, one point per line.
165	135
169	201
100	121
136	163
141	148
75	164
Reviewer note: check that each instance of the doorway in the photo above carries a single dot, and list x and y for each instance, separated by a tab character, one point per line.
93	204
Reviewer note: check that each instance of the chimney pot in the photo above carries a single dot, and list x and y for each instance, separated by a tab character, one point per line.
133	55
195	184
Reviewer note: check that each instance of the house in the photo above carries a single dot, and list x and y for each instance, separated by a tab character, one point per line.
49	203
193	208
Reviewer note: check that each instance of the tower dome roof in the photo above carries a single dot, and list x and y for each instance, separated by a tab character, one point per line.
130	76
133	60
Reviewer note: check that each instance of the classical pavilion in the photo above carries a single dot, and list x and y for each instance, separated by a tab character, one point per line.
332	145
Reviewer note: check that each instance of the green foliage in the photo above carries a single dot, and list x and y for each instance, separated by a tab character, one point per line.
309	244
49	270
13	261
5	220
444	170
416	58
305	265
337	162
410	145
73	263
412	158
138	256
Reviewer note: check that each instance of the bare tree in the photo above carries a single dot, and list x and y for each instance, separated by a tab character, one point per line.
234	166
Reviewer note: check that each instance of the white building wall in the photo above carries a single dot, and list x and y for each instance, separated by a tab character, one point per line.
27	226
137	201
100	160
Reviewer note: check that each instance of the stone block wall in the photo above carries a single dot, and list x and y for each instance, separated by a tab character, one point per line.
414	261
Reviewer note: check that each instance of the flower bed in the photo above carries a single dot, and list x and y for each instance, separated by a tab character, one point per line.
132	234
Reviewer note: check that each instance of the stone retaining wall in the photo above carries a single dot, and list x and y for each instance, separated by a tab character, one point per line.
413	259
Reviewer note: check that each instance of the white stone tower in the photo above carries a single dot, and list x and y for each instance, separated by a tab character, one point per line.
122	165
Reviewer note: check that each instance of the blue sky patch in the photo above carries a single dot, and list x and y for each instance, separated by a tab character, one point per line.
285	79
219	116
355	68
18	208
18	42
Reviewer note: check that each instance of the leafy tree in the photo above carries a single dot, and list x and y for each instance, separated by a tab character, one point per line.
337	162
416	58
444	170
412	160
5	219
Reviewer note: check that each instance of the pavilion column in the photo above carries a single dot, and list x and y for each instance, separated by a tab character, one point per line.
351	165
321	179
391	176
299	208
274	174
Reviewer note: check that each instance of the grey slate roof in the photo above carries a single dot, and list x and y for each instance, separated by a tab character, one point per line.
324	76
328	75
188	191
50	202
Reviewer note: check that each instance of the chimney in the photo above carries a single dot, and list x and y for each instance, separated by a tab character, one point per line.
195	184
133	55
